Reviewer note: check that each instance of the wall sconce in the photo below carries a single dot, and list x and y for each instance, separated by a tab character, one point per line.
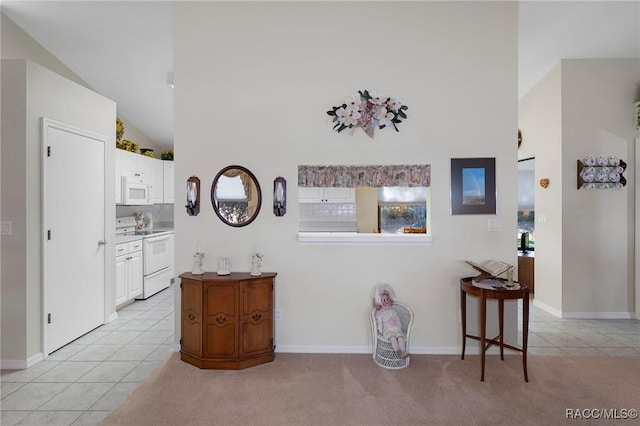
279	196
601	173
193	196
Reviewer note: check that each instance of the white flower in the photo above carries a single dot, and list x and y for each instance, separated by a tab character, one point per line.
383	116
353	102
376	99
347	117
367	109
352	118
393	104
341	115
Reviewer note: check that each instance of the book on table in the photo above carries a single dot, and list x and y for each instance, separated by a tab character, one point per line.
490	269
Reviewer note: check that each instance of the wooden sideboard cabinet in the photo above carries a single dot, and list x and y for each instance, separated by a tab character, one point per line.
227	321
526	267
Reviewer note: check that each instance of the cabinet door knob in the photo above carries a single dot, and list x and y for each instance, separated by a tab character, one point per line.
257	317
220	319
191	316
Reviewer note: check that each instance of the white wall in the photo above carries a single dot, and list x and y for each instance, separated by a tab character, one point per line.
540	121
35	92
598	230
253	84
584	253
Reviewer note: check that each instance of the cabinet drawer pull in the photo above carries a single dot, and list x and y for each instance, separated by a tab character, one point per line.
257	317
220	319
191	316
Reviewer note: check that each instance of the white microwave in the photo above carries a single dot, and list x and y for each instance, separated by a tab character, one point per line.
135	192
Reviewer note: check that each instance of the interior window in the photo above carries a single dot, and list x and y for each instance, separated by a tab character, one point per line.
364	199
402	210
526	205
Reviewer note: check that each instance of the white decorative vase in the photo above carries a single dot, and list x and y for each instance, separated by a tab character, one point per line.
256	265
224	266
197	264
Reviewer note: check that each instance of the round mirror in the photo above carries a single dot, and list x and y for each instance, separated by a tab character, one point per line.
236	196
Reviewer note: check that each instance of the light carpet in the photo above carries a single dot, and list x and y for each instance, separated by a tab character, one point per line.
349	389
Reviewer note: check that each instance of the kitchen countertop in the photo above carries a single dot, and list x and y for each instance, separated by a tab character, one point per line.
135	237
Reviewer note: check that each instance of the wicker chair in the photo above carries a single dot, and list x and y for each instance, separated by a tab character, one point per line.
383	353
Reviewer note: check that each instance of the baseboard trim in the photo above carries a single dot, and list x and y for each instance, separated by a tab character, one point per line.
21	364
472	349
553	311
597	315
113	316
312	349
582	315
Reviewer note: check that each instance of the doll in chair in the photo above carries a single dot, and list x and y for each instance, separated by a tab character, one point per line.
388	322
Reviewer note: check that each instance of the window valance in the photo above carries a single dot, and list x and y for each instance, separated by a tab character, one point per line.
374	176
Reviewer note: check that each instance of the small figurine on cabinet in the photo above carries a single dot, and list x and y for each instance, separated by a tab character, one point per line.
256	264
388	323
224	266
197	264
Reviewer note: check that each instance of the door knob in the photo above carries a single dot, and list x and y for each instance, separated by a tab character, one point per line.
102	242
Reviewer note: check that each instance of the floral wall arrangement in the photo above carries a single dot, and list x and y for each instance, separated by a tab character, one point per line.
368	110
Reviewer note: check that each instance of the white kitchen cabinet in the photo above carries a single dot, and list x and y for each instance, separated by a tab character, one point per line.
167	175
118	162
128	271
142	169
153	167
133	165
326	195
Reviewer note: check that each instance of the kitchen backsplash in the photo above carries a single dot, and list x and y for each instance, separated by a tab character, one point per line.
160	214
327	217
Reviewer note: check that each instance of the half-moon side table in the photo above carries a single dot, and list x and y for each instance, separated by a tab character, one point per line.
500	294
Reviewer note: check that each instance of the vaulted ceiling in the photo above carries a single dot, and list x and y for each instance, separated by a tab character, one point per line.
123	50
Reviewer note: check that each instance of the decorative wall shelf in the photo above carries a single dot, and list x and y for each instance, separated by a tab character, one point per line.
601	173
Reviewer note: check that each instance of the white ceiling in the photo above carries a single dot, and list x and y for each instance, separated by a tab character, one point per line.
123	50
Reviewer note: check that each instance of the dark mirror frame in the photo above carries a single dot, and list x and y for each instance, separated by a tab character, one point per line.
213	198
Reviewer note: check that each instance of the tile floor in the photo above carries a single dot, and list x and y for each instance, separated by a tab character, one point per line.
81	383
549	335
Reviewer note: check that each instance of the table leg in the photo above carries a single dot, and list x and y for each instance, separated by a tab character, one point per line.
525	332
501	326
483	331
463	314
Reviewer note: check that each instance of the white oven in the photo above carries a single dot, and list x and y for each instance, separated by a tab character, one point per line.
157	251
135	192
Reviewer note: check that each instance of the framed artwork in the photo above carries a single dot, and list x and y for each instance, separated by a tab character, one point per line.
473	186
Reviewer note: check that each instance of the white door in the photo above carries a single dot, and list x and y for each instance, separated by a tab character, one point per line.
74	228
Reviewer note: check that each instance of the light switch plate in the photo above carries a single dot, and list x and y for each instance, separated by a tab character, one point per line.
5	227
495	224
